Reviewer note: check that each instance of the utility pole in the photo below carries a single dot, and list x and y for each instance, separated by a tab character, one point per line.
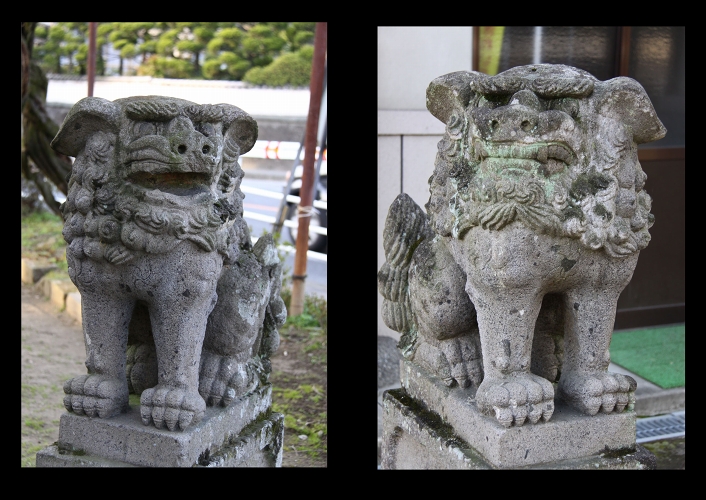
306	193
91	57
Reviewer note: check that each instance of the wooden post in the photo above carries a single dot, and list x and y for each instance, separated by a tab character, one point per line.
91	57
308	189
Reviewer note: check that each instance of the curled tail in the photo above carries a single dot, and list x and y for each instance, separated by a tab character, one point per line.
406	227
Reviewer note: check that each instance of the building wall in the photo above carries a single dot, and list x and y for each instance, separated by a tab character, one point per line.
409	58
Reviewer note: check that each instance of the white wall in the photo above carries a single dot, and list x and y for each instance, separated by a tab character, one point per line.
409	58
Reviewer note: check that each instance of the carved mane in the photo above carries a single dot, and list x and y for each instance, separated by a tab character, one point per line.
107	218
599	199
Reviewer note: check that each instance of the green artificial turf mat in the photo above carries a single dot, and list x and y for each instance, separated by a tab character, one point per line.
655	354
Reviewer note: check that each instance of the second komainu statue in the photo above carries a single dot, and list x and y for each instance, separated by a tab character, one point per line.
537	215
177	303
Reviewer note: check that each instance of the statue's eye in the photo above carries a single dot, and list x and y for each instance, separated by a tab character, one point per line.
494	101
485	103
568	105
206	129
144	128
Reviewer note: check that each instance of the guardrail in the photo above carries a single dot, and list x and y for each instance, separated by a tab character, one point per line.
277	150
270	219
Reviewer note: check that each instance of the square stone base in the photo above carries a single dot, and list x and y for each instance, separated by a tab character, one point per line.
244	434
428	425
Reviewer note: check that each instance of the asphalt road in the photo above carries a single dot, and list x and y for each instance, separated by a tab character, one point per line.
315	283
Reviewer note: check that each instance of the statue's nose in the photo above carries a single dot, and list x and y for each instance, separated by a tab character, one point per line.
517	119
194	143
512	123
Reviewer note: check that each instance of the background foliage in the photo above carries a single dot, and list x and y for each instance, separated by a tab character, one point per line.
266	54
270	54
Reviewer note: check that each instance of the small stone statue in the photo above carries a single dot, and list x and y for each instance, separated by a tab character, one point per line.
177	304
537	215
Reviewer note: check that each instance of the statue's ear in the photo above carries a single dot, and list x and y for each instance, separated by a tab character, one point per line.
88	116
625	100
240	128
451	91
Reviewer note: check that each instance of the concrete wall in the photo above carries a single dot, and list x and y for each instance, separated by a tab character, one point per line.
408	59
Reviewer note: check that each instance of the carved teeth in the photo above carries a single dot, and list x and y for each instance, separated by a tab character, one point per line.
559	152
481	152
539	152
542	155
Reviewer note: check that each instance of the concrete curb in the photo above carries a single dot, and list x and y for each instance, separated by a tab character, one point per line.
60	291
34	271
651	399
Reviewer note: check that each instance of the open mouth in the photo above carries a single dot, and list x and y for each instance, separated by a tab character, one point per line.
546	157
177	183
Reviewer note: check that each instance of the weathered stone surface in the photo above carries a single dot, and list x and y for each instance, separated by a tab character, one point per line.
533	228
568	435
162	257
415	438
245	434
388	362
508	283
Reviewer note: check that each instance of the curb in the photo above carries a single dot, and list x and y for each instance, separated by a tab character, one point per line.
34	271
651	399
60	291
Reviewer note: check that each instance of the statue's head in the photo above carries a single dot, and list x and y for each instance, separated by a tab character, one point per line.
151	171
548	145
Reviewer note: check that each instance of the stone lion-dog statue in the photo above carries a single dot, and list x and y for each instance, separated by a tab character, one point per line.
177	303
536	217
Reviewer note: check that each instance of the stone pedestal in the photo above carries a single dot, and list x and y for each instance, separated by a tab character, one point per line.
427	425
244	434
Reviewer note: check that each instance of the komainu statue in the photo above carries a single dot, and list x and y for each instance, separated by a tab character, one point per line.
177	303
537	215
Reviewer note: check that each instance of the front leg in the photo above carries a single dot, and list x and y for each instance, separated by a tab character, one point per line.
178	325
104	391
509	391
586	382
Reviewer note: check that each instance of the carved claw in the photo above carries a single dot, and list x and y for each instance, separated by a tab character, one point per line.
535	413
462	354
223	379
606	392
162	405
95	395
517	399
547	410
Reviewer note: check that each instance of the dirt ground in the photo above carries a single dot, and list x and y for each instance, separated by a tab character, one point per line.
53	351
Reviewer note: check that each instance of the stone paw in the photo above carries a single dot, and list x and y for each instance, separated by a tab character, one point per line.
516	398
174	407
606	392
96	395
464	359
141	367
222	379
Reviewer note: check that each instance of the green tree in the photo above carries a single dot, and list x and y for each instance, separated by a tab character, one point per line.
288	69
297	35
130	40
239	49
213	50
63	47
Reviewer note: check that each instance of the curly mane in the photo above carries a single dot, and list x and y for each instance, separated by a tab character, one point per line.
107	218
